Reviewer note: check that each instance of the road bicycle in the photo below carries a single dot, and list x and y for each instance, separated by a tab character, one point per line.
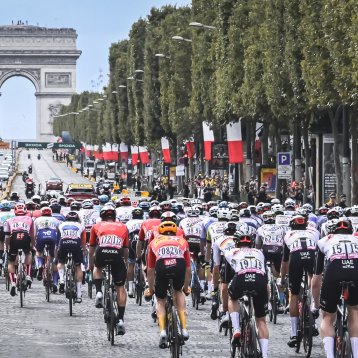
110	307
195	285
172	325
139	283
88	275
342	342
305	319
274	296
70	286
47	273
21	277
6	271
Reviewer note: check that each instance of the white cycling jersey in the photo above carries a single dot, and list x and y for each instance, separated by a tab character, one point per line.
294	239
221	245
215	230
124	213
270	235
134	225
339	246
246	260
193	227
88	217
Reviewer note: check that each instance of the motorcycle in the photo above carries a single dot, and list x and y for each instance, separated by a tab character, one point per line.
38	156
30	169
29	156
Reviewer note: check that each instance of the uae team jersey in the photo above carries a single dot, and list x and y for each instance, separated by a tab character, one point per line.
108	234
339	246
169	249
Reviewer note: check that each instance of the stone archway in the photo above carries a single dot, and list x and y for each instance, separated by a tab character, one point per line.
47	57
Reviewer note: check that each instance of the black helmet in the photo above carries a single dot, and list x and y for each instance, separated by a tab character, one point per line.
75	206
72	216
342	226
155	212
108	212
230	228
56	208
44	203
298	222
137	213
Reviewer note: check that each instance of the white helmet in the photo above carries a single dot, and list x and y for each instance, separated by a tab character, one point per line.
224	213
275	201
290	203
277	208
193	212
213	211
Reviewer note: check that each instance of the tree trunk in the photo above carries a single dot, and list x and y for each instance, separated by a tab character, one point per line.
253	152
354	157
307	156
337	164
279	187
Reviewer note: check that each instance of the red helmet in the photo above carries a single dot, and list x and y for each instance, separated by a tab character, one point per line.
20	209
125	201
46	211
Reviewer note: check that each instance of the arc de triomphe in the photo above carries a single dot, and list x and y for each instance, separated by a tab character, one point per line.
47	57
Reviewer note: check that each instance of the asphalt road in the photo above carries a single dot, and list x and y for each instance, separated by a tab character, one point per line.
42	329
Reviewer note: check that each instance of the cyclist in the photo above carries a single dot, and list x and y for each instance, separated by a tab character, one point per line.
245	217
124	211
109	245
5	214
340	250
331	214
298	255
72	239
290	207
133	226
19	234
248	264
169	258
88	216
322	216
46	232
56	211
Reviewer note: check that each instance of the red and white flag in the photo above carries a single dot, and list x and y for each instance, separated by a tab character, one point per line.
208	135
134	152
89	148
234	141
123	148
190	147
114	153
258	130
107	149
144	156
165	150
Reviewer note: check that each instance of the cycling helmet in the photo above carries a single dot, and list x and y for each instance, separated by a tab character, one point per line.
266	207
61	200
5	206
354	210
343	226
103	199
211	203
44	203
223	204
87	204
252	209
167	228
234	206
175	208
155	212
56	208
230	228
180	207
20	209
108	212
195	202
243	205
111	204
244	236
76	206
36	199
14	196
70	201
234	215
289	204
30	205
268	217
323	210
46	211
245	213
224	214
275	201
95	201
193	212
308	207
173	201
168	216
213	211
125	201
154	203
166	206
339	210
145	206
137	213
298	222
72	216
333	214
278	209
302	212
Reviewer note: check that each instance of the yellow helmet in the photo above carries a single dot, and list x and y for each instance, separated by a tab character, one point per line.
167	228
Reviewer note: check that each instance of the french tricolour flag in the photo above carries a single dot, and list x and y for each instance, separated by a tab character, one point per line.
165	150
144	156
234	141
107	149
208	135
114	153
134	151
123	148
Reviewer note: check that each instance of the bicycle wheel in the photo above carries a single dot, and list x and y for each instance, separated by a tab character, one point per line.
111	321
233	347
274	303
90	285
346	346
48	283
175	340
307	331
299	332
69	289
253	352
21	287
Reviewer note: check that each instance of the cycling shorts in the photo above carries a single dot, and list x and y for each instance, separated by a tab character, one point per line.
66	246
300	261
15	245
132	249
2	234
336	272
50	241
194	244
274	258
108	256
227	273
251	282
166	269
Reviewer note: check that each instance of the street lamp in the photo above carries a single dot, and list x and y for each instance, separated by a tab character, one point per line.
138	71
180	38
114	92
161	55
122	86
201	26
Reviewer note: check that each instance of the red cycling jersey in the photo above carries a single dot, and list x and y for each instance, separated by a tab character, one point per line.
145	231
168	248
109	234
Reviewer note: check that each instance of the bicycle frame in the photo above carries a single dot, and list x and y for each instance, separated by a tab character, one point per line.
47	272
70	281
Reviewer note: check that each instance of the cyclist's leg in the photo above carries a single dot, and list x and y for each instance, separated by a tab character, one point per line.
179	297
119	273
78	260
131	264
13	248
353	328
40	261
2	246
229	274
61	257
28	259
236	287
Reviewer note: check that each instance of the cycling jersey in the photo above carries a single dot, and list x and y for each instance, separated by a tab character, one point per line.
320	220
271	237
107	234
221	245
147	227
46	232
299	240
3	217
193	227
124	213
88	218
215	230
250	221
134	226
59	216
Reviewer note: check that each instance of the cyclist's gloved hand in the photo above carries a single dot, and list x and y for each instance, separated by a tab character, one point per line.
187	291
148	294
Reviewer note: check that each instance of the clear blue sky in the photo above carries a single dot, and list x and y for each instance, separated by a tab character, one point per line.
98	24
